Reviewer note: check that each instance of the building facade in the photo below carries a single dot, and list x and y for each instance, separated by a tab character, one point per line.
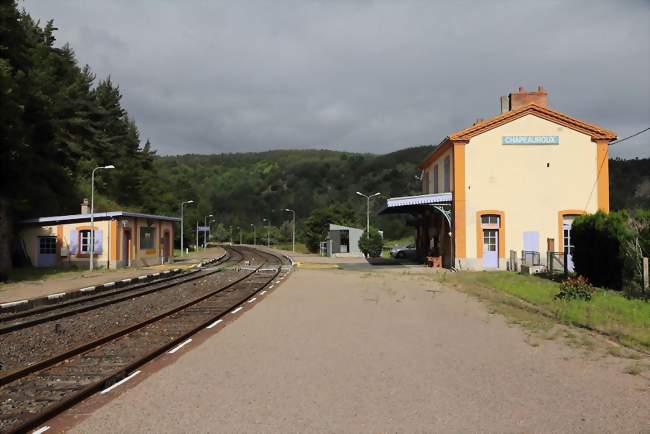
122	239
513	182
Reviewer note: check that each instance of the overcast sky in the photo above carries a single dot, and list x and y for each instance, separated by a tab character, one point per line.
371	76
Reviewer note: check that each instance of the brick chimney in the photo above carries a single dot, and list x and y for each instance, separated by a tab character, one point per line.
521	98
85	208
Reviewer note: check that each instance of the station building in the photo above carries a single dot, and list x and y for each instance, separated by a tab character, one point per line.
122	239
511	183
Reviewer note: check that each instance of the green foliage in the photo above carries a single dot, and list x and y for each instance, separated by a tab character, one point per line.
371	244
629	183
575	288
316	226
609	248
627	320
598	254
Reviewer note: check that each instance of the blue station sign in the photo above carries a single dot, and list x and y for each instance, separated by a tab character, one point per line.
530	140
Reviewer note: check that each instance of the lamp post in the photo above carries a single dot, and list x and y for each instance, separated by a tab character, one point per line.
240	237
268	232
254	235
92	212
293	232
231	235
205	233
368	210
183	203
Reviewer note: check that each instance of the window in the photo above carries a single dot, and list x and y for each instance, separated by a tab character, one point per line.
436	180
447	174
490	240
47	245
490	219
84	241
147	238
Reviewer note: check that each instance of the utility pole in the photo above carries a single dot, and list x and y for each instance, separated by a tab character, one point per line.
183	203
205	233
92	212
293	232
368	210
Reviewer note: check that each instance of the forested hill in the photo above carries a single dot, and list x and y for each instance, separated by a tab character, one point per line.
243	188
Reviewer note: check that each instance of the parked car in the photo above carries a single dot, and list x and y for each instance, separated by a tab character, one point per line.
403	252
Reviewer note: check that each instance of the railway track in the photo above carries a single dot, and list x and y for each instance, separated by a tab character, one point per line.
41	314
36	393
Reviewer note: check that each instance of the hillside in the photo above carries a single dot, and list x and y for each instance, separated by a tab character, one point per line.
243	188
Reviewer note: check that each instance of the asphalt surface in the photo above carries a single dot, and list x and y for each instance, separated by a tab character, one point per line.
347	351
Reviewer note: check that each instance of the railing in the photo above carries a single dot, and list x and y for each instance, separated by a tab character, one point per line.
556	263
530	257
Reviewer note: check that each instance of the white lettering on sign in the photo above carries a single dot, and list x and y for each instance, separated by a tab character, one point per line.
530	140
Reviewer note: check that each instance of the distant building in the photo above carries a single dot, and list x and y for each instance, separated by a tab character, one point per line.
122	239
513	182
343	240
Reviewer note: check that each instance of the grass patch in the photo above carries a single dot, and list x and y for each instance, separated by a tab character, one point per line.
636	368
300	247
24	274
610	313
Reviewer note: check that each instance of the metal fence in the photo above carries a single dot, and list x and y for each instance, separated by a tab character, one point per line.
557	263
530	258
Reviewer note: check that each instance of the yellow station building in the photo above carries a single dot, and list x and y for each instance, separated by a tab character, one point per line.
122	239
511	183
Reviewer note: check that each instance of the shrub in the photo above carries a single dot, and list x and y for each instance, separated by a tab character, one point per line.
371	245
598	255
576	288
609	248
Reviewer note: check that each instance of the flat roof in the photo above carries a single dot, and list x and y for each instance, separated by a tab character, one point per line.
98	216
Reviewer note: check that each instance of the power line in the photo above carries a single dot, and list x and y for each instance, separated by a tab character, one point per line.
629	137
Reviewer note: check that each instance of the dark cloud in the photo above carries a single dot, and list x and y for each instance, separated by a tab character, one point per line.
368	76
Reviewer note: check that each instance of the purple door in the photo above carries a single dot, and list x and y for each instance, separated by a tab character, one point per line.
490	248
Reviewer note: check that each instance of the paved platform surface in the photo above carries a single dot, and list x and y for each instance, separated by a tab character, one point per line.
349	351
81	279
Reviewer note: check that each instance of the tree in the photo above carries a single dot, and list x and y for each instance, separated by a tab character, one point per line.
371	244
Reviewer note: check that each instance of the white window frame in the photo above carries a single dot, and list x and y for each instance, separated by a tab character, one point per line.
84	241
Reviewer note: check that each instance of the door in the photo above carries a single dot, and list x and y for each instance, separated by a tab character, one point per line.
567	242
126	249
46	252
165	246
490	248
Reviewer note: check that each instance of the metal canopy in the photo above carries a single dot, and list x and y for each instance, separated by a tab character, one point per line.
415	205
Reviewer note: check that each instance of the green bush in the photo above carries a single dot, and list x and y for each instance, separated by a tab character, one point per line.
371	245
598	255
576	288
609	248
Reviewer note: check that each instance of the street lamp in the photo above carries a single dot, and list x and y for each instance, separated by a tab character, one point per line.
368	210
92	211
205	233
268	232
230	234
183	203
240	237
293	234
254	235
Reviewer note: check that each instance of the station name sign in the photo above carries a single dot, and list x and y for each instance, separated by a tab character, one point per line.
530	140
